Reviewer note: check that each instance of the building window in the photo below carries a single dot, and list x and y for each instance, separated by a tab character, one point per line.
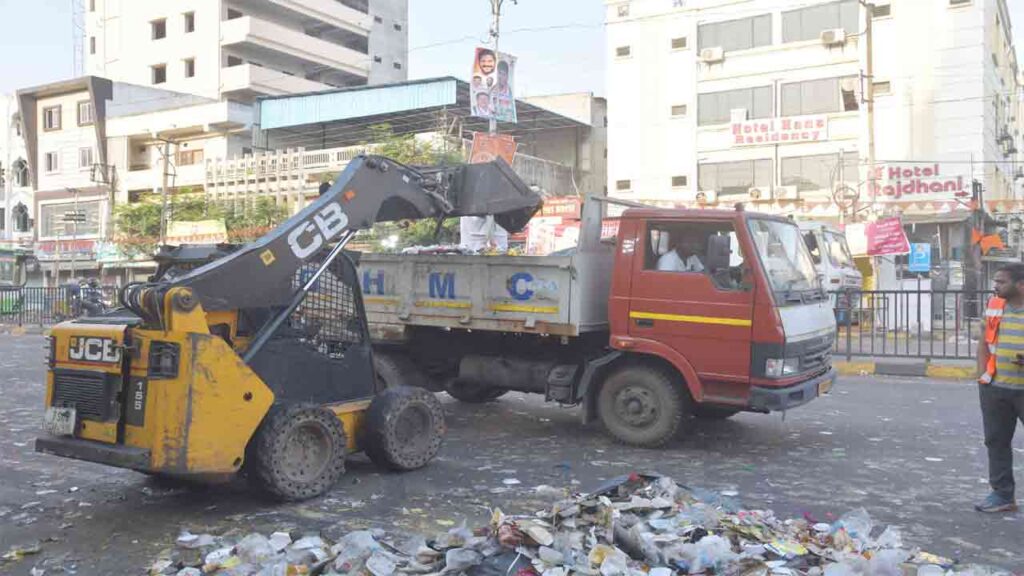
679	110
190	157
811	173
86	113
378	19
959	2
51	118
882	88
92	44
378	59
808	23
190	67
85	158
158	28
159	73
397	65
190	22
679	43
398	27
20	173
20	217
623	185
51	162
623	51
735	177
740	34
717	107
233	14
820	96
234	61
679	181
881	11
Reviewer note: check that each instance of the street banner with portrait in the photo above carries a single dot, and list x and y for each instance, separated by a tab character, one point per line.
487	147
491	86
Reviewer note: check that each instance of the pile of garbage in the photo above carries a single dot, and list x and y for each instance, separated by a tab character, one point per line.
634	526
458	250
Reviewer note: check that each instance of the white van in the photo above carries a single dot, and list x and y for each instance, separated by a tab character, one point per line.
831	256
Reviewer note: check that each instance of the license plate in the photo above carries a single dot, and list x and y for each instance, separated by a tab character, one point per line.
824	387
59	421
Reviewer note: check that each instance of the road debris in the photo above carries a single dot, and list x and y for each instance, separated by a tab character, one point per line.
637	525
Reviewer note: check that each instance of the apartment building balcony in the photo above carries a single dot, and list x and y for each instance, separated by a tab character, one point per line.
341	15
260	39
294	176
147	178
248	81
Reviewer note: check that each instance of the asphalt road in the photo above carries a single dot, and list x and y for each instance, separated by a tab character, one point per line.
908	450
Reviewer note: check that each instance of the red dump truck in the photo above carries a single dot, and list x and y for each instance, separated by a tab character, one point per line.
687	313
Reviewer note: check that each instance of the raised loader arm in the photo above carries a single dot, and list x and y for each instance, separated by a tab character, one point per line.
371	189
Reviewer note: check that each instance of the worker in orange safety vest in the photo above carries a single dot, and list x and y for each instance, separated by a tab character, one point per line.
1001	384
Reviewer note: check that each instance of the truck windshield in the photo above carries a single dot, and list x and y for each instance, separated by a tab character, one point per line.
784	256
838	253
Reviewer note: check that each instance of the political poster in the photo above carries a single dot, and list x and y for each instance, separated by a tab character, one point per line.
487	147
886	237
491	88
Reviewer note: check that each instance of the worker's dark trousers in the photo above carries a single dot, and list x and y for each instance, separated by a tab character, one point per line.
1001	408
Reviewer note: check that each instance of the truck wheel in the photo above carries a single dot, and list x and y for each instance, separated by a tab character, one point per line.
714	413
472	392
394	369
641	406
403	429
299	452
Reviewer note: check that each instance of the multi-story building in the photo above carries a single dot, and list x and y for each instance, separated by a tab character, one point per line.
15	189
240	49
727	100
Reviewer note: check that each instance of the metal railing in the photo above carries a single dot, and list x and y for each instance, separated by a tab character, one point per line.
909	323
37	306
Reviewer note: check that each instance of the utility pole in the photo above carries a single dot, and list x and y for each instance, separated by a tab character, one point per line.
496	34
163	192
869	13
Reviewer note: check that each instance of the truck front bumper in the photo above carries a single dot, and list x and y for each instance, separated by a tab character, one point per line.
763	399
91	451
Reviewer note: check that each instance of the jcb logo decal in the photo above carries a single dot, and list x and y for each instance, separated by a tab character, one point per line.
94	350
310	236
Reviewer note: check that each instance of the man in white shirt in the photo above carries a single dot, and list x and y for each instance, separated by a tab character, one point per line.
682	257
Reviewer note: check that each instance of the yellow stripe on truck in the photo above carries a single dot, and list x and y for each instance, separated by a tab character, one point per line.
524	308
691	319
443	304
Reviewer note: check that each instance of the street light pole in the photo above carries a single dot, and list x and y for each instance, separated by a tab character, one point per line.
869	9
496	33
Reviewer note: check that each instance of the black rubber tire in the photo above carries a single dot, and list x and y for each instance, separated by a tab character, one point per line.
403	429
395	369
473	393
280	470
714	413
659	401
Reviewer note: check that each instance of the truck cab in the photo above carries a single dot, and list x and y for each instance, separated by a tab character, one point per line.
831	256
745	320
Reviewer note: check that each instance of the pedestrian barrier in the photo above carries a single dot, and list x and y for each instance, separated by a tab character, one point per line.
941	324
38	306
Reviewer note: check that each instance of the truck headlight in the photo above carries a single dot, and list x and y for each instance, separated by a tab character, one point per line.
779	367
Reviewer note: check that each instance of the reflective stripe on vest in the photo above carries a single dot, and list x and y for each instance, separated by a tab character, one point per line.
993	317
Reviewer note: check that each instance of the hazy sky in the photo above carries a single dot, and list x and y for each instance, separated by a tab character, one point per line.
560	43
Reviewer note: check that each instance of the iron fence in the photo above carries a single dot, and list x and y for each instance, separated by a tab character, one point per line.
37	306
909	323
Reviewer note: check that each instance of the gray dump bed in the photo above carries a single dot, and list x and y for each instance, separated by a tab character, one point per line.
561	295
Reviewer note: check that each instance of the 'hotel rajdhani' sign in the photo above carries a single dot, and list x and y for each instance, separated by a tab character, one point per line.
792	130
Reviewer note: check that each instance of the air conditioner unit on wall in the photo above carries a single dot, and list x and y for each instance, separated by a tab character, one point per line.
707	197
834	37
787	193
712	55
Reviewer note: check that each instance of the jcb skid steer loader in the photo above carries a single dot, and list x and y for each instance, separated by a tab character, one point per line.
260	361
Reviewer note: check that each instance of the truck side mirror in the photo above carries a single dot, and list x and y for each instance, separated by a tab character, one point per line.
719	249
